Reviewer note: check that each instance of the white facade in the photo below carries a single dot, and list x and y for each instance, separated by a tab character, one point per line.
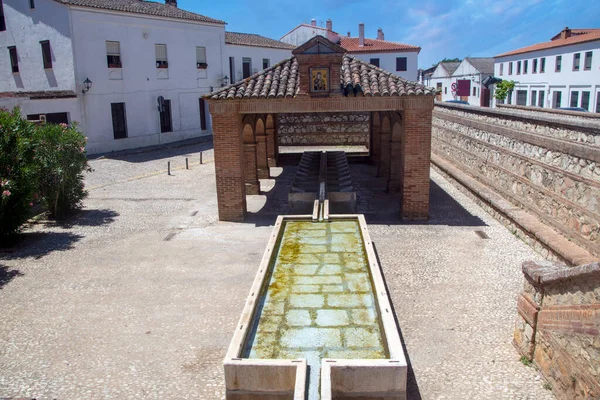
236	54
445	78
387	61
139	82
304	32
579	88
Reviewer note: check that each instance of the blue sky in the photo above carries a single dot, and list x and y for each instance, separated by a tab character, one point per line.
443	28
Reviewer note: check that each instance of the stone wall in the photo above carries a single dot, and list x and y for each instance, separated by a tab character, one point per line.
547	166
558	326
323	129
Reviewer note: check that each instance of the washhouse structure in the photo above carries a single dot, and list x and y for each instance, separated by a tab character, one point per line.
319	84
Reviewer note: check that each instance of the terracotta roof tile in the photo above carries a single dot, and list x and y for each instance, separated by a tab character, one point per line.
48	94
576	32
142	7
580	38
250	39
282	81
374	45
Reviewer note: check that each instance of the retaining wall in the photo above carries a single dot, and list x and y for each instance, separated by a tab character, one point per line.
323	129
547	165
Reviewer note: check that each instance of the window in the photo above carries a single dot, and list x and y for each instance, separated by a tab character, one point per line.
542	65
374	61
598	102
113	55
2	22
166	121
534	66
558	64
587	64
446	90
541	98
266	63
510	68
585	100
246	67
574	98
533	97
501	69
161	56
576	61
14	60
46	54
557	100
521	97
231	69
474	91
32	4
201	58
119	120
202	114
518	67
509	97
401	64
525	63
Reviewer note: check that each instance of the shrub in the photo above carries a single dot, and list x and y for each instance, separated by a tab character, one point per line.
61	161
17	172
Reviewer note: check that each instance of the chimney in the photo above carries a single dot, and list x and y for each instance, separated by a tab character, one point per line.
566	33
329	25
171	3
313	22
348	33
361	34
380	34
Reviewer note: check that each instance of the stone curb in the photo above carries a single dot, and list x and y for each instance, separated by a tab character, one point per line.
558	244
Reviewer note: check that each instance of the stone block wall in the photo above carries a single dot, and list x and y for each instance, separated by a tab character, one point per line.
326	129
547	166
558	326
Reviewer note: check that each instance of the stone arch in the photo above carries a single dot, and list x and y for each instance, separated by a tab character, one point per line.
262	164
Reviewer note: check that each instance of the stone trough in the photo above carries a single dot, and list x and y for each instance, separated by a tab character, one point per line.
317	323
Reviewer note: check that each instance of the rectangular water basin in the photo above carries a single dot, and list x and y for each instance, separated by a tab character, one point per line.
317	323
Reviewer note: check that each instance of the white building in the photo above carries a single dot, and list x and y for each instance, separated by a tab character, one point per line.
564	72
400	58
463	80
248	53
137	54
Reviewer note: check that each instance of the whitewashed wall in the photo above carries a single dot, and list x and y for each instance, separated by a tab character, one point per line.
256	54
550	81
139	83
387	61
25	28
304	33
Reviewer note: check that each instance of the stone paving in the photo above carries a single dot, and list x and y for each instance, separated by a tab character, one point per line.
139	295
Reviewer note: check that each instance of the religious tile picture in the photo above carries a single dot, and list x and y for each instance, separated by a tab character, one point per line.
319	80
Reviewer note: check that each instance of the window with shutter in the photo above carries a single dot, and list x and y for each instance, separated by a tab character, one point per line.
542	65
576	61
558	63
585	100
574	98
374	61
587	64
401	64
161	56
113	55
46	54
534	67
14	60
266	63
201	58
246	67
541	98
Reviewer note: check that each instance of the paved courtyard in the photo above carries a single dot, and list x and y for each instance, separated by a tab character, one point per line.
138	297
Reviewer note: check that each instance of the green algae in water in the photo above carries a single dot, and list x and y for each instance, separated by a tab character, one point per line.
319	302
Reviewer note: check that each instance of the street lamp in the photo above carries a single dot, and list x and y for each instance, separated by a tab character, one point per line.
87	85
225	81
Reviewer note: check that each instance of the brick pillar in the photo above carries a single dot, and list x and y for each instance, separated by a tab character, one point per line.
394	184
271	141
384	157
375	139
252	184
229	166
262	164
416	157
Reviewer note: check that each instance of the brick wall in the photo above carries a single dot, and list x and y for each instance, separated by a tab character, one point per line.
558	326
548	166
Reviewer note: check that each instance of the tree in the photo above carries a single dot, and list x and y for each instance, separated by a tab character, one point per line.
502	89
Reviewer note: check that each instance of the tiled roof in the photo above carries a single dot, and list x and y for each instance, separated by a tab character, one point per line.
48	94
450	66
374	45
142	7
282	81
485	65
250	39
576	32
581	38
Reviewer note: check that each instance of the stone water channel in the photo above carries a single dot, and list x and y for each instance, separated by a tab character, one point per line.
319	302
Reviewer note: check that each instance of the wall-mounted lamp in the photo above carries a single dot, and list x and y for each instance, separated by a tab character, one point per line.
87	85
225	81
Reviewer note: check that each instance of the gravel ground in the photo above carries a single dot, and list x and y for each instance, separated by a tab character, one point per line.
138	296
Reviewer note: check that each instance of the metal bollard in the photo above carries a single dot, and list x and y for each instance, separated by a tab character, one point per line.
168	167
200	158
187	165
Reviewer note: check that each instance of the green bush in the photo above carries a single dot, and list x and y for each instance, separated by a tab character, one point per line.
18	178
60	161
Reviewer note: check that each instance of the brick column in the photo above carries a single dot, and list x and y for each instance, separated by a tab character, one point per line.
384	157
416	157
375	139
262	164
229	166
271	141
252	184
394	184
